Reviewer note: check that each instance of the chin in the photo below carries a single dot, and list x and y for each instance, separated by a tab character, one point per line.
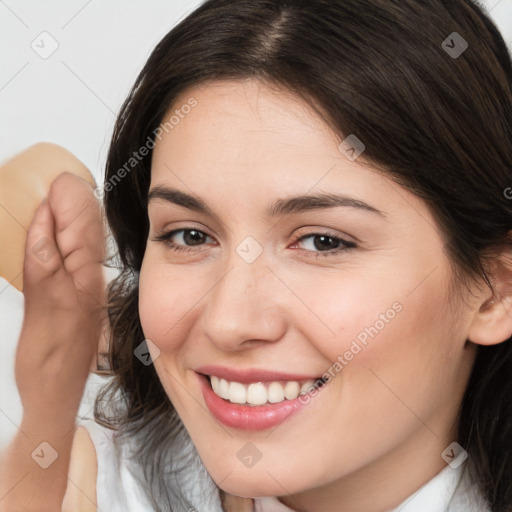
248	484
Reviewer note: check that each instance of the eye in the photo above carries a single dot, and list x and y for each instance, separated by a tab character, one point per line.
314	244
324	244
182	239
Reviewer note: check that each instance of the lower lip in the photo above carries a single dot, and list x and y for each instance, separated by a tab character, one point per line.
246	417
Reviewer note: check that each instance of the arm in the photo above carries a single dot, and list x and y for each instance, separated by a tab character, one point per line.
64	313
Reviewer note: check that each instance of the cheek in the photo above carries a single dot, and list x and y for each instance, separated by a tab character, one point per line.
358	320
340	311
401	352
165	303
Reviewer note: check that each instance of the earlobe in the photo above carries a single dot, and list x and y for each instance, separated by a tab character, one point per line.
492	323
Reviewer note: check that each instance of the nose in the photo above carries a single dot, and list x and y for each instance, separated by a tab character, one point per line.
245	307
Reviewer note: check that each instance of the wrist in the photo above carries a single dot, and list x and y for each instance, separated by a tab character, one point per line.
55	425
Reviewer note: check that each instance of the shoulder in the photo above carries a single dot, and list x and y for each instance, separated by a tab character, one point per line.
82	474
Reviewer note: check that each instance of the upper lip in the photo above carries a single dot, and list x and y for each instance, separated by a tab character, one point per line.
248	375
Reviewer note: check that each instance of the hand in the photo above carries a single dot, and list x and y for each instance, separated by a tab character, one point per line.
64	288
64	314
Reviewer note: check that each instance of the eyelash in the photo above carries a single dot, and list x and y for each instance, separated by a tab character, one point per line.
344	244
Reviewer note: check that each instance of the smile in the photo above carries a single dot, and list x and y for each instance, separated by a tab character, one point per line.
260	393
255	400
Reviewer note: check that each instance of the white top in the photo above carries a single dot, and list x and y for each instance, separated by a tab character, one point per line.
118	490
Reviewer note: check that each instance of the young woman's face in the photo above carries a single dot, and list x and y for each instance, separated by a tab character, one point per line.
288	259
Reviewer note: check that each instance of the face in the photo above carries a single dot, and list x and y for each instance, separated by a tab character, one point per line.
274	259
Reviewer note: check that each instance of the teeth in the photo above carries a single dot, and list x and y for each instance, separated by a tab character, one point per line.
237	393
275	393
291	390
214	381
220	387
257	394
224	389
307	387
260	393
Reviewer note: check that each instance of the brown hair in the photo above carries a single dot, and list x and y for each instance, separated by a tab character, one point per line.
438	123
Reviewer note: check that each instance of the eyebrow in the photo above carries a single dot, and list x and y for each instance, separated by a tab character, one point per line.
288	205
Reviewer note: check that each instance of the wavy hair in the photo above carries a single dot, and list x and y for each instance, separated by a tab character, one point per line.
436	123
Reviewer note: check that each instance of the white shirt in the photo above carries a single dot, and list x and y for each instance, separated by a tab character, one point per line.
441	494
118	490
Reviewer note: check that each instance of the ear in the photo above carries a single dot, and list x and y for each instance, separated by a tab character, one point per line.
492	323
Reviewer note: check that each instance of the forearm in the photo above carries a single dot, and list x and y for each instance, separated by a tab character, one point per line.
34	467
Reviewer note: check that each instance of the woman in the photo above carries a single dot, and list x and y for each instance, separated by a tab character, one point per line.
309	203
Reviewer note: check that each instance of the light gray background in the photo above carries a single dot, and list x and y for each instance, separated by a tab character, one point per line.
71	98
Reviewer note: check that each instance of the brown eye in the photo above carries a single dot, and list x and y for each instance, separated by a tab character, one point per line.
324	243
182	239
193	237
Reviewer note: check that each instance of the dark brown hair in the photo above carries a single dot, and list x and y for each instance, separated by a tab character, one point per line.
437	123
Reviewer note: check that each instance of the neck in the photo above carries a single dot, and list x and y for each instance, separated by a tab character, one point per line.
382	485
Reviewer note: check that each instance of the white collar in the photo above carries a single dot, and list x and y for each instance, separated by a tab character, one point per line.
451	490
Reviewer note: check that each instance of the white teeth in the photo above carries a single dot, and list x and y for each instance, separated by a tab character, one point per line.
223	389
237	393
215	384
275	393
259	393
291	390
220	387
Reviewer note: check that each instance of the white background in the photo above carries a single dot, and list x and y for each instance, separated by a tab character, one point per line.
71	99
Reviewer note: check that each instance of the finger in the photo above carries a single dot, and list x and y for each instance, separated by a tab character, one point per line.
42	258
80	235
79	230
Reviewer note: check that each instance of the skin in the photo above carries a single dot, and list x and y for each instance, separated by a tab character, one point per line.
286	311
388	415
63	297
82	474
24	182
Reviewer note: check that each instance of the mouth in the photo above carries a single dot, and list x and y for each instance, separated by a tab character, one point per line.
256	400
262	393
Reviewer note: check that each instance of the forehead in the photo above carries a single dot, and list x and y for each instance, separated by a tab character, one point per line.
248	139
243	129
244	122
